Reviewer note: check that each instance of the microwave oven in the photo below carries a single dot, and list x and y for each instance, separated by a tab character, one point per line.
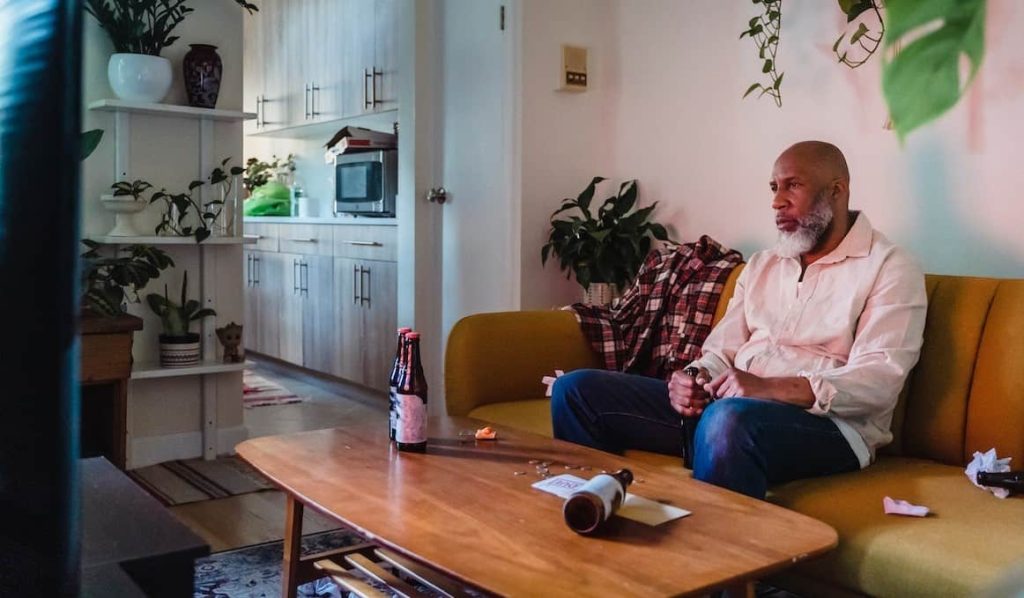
366	183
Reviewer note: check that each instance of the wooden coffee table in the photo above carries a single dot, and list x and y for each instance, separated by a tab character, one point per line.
461	510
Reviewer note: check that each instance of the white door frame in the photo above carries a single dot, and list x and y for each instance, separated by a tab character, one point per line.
420	230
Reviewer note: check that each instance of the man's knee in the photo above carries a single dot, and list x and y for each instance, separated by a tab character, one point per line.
725	426
570	389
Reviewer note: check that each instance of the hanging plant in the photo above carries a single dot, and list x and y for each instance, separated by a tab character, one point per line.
764	30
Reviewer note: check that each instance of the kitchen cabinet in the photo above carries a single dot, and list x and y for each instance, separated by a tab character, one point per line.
319	350
366	318
319	60
324	297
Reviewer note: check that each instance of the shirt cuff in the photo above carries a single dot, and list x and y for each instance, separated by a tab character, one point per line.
824	392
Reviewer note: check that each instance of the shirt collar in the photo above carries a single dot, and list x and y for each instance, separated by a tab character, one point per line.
856	243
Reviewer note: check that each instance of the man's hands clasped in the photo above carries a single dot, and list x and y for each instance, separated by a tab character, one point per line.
690	395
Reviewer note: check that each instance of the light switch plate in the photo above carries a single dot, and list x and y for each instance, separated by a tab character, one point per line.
574	68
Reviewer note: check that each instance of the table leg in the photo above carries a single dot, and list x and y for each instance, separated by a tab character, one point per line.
292	544
743	589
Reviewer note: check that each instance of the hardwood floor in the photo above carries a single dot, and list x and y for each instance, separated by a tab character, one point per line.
259	517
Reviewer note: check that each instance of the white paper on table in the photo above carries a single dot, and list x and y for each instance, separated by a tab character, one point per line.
636	508
988	462
894	506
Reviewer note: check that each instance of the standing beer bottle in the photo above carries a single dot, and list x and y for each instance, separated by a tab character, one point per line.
411	426
393	380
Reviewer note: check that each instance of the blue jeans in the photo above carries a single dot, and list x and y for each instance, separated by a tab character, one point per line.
741	444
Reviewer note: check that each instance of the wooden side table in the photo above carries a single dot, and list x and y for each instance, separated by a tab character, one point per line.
105	369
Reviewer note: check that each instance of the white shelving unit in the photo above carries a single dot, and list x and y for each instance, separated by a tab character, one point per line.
145	371
157	240
124	112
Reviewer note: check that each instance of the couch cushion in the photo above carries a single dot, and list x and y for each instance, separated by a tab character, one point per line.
530	415
968	541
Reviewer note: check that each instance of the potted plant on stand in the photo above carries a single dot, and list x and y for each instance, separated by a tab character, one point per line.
178	346
140	30
603	251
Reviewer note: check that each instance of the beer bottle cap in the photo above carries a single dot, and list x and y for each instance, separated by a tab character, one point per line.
404	330
412	335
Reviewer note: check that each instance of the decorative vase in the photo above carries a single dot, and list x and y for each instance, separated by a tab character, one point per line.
179	351
203	70
602	294
123	207
139	77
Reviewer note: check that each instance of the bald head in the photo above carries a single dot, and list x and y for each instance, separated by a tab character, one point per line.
821	159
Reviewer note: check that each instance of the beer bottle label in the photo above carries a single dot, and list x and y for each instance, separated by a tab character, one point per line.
607	489
411	424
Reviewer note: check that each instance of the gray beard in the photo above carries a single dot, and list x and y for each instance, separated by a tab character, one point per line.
810	229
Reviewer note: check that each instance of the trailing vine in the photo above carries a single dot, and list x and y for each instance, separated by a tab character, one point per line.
854	9
764	30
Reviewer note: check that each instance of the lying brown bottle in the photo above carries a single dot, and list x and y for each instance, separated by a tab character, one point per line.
1011	480
596	501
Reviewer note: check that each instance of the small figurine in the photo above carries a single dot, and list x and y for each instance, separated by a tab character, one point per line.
231	337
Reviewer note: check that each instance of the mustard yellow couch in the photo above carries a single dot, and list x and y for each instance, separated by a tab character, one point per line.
966	394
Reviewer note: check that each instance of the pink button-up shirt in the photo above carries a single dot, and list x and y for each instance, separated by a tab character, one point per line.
853	327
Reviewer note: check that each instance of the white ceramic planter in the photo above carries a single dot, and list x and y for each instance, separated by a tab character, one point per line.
139	77
178	354
599	293
123	206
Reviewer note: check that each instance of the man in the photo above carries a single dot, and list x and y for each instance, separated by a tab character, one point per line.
801	376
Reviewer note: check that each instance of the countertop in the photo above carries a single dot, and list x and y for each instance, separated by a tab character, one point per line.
343	220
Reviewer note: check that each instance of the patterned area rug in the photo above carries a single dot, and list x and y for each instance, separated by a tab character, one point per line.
182	482
255	571
257	391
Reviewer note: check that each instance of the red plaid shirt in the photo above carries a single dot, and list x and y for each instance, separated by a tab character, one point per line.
662	320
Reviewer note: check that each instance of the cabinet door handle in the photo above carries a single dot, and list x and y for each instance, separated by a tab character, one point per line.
302	240
363	243
304	280
305	102
365	286
256	261
259	101
373	85
295	277
367	101
314	91
248	270
355	284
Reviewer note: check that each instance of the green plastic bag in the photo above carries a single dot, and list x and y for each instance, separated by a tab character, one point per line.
272	199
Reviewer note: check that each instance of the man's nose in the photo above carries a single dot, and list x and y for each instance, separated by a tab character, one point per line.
778	201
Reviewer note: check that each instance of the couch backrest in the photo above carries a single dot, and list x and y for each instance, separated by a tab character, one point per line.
966	393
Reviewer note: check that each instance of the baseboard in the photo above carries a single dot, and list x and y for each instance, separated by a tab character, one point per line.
151	450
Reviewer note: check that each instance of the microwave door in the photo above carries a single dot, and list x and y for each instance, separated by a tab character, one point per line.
359	187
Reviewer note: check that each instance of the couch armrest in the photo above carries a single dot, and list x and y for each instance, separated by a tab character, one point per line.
498	357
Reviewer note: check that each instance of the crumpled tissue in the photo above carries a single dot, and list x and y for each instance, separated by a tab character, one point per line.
550	381
988	461
894	506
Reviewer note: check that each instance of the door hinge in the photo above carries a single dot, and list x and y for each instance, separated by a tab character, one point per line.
501	18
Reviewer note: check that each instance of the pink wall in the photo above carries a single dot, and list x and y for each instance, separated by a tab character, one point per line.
665	108
951	194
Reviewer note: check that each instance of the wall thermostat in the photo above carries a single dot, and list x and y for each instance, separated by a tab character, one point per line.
574	68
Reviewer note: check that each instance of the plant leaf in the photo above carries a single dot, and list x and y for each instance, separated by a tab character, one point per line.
859	33
923	81
90	140
583	200
751	88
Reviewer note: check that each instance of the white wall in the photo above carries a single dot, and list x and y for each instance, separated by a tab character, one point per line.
164	152
566	136
665	108
949	195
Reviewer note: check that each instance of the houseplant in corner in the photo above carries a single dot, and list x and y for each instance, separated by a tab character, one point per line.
140	30
603	251
178	346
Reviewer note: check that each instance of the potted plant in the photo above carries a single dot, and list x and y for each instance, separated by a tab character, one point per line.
110	283
178	346
125	201
140	30
178	206
603	251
